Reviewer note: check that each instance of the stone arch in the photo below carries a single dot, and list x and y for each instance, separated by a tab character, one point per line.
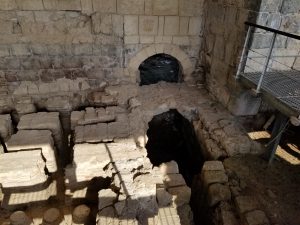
172	50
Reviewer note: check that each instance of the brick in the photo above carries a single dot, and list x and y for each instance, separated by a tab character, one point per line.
131	24
8	4
195	26
165	7
130	6
105	6
148	25
30	4
171	26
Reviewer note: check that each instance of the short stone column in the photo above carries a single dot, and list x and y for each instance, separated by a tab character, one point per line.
19	218
52	217
81	214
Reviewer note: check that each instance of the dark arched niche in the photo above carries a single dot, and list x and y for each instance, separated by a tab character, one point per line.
160	67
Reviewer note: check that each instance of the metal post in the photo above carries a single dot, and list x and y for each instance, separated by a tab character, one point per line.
244	52
266	63
279	126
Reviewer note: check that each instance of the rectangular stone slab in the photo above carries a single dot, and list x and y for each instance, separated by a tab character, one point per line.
21	169
35	139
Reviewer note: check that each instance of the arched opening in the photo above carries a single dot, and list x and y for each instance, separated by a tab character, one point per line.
172	137
160	67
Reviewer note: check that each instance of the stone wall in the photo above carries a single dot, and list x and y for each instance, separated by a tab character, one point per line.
49	47
224	33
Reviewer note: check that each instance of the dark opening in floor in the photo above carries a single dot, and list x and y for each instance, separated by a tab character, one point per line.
160	67
172	137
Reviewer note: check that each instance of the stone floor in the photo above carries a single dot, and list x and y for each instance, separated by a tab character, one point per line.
108	169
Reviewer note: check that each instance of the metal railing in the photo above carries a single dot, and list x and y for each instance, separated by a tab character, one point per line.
246	59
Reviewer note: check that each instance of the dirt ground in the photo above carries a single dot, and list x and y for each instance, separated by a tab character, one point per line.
276	187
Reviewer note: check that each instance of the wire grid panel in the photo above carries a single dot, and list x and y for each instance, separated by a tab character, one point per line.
283	85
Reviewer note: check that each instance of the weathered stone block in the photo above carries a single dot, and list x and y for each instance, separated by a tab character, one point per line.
181	40
87	6
169	168
102	23
4	51
27	169
20	50
171	26
118	23
213	166
106	198
245	203
7	5
191	7
163	197
6	127
30	4
148	25
131	25
26	140
69	5
181	195
132	39
257	217
210	177
195	26
105	6
130	6
165	7
218	193
174	180
146	39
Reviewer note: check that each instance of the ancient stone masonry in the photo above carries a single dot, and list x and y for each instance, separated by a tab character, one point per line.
54	51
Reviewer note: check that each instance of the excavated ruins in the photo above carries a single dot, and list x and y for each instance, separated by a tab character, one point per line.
142	112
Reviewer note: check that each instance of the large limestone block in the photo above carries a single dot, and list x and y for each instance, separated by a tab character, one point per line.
5	126
89	161
20	169
43	121
105	6
171	25
148	25
35	139
181	195
165	7
130	7
95	133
